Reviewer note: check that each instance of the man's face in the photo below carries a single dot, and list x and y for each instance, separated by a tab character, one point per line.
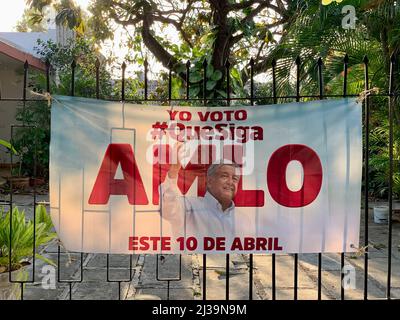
224	183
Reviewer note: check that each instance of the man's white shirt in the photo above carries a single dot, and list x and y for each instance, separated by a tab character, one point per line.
199	216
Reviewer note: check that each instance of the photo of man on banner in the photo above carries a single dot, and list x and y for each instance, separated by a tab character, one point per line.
213	215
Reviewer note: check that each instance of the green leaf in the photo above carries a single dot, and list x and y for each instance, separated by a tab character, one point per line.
210	95
21	237
194	91
8	146
236	77
217	75
210	70
211	84
44	259
195	77
222	93
181	68
269	37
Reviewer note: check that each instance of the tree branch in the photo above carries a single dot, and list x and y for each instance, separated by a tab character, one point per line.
167	60
238	37
242	5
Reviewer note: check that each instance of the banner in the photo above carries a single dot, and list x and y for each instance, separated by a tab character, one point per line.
281	178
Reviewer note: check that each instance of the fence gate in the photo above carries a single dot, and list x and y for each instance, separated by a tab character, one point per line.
130	269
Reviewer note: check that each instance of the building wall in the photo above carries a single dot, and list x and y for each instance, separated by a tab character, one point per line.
11	84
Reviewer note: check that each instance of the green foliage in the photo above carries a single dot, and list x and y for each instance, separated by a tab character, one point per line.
8	145
317	32
85	53
379	160
204	31
68	13
31	21
22	236
34	139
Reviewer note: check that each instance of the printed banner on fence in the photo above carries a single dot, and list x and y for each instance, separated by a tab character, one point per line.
128	178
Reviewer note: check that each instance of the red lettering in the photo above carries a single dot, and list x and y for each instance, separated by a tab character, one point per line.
209	243
133	243
243	198
228	114
144	244
241	115
249	243
276	244
106	185
160	169
185	116
216	116
203	116
276	175
261	244
236	244
172	114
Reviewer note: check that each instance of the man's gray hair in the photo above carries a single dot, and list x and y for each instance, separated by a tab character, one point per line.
214	167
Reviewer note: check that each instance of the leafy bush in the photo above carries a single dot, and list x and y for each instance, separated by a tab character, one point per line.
22	236
84	53
379	160
34	138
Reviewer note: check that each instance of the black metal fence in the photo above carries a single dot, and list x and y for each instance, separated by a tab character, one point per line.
252	99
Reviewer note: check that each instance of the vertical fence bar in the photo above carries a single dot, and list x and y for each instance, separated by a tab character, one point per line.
119	281
298	64
345	72
187	79
296	256
146	67
228	82
204	255
168	279
205	82
321	96
320	78
391	85
48	75
274	95
26	66
228	102
274	255
251	103
227	277
11	211
252	81
97	65
366	174
73	66
123	68
204	276
169	82
70	282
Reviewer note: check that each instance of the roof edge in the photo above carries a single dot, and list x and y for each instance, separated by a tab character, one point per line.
22	56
